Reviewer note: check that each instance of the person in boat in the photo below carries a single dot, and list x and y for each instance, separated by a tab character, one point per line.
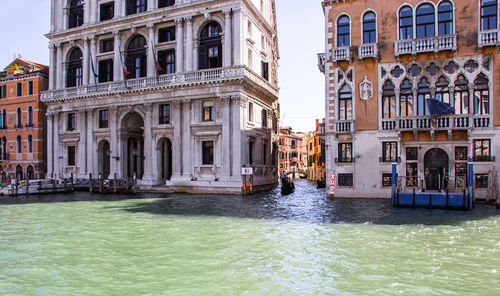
283	177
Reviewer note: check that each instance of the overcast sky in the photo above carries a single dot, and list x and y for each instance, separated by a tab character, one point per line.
300	35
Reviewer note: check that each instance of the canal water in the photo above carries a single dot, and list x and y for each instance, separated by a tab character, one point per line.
266	244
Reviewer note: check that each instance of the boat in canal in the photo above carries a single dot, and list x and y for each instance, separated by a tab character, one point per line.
287	187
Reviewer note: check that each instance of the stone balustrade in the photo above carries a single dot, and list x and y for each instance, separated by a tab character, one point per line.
344	126
341	54
488	38
459	121
421	45
369	50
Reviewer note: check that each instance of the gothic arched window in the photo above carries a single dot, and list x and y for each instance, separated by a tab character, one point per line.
345	103
424	94
136	57
442	90
343	31
406	100
74	74
425	21
481	95
388	100
445	18
210	50
19	117
461	95
75	17
19	143
405	23
369	28
30	116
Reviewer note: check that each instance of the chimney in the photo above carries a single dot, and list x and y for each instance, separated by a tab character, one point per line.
317	124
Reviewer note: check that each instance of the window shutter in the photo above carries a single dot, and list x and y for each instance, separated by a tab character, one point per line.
202	56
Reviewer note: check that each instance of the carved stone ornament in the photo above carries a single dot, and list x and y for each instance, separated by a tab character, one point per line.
366	89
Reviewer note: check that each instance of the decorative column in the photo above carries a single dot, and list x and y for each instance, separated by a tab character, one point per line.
50	144
86	12
397	101
82	149
226	138
415	101
471	99
86	59
237	33
148	176
151	63
114	142
57	153
196	43
189	43
239	107
52	69
151	5
93	11
90	140
179	52
117	64
228	40
93	55
177	144
187	147
53	18
59	67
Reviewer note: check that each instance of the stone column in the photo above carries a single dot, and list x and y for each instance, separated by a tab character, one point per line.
179	52
189	44
86	59
177	144
237	36
151	63
151	5
471	99
86	12
226	138
195	54
187	148
117	64
227	38
93	54
397	92
90	141
93	11
57	152
82	149
148	176
239	107
59	67
53	17
415	100
50	144
114	165
52	69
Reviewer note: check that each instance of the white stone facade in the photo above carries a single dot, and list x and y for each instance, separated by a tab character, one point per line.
201	143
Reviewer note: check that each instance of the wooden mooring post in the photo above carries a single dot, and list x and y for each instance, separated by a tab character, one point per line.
17	187
100	183
54	184
90	182
134	188
114	183
27	186
71	183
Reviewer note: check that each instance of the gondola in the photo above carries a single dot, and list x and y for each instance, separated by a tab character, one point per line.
287	187
320	184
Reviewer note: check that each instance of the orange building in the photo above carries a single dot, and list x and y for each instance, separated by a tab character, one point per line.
22	120
387	64
292	152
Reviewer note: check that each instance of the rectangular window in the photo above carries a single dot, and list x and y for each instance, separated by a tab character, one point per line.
345	152
386	180
250	153
107	45
481	180
164	117
107	11
165	3
265	70
411	153
3	91
103	118
19	89
460	174
71	155
71	122
412	174
388	106
166	61
208	152
460	153
488	15
264	117
213	56
345	180
105	70
208	110
30	87
389	151
482	150
250	112
166	34
264	154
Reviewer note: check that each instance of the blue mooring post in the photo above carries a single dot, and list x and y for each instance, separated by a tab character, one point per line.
470	181
394	180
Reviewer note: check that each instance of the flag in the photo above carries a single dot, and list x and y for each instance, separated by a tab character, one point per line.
124	69
437	108
157	65
93	70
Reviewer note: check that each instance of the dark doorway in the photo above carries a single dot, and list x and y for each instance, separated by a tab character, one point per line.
165	158
104	159
435	169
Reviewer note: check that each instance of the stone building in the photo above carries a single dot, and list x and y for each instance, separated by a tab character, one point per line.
387	63
316	152
22	120
181	94
292	152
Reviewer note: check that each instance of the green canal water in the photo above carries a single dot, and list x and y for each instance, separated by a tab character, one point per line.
266	244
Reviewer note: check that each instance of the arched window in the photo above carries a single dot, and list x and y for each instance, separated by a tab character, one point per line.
136	57
210	50
406	98
30	116
4	118
425	21
481	95
136	6
30	143
405	23
343	31
74	75
75	17
19	172
30	172
388	100
345	103
369	28
461	95
424	94
165	3
19	114
442	90
445	18
19	143
489	11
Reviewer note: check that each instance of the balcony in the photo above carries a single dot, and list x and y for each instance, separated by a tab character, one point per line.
446	122
321	62
345	160
219	75
341	54
422	45
344	126
488	38
368	51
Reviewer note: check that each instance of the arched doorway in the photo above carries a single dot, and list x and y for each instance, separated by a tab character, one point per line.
103	158
165	158
435	168
19	172
30	172
132	135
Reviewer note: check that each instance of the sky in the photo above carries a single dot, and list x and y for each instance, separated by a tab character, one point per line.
300	33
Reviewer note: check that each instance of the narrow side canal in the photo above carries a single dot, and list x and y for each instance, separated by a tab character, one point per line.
300	244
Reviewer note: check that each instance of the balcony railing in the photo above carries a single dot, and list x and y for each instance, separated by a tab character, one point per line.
341	54
430	44
321	62
344	126
436	123
345	160
368	51
488	38
202	76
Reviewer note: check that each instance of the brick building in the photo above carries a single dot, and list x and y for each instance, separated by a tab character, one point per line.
384	62
22	120
316	152
292	152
